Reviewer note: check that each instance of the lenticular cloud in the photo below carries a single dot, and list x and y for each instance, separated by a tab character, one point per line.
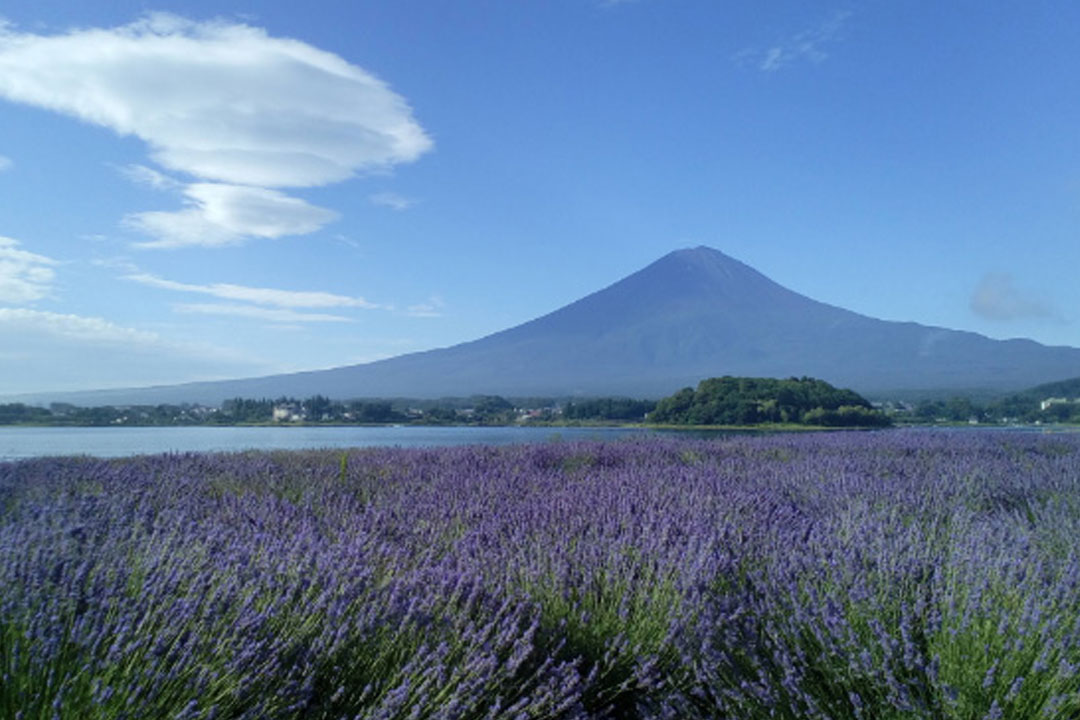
219	101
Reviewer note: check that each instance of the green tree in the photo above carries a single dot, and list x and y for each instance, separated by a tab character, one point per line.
15	413
750	401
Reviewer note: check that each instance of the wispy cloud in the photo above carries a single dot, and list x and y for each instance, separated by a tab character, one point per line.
110	355
6	163
997	298
120	263
260	296
224	103
391	200
432	308
274	315
142	175
74	327
810	45
24	276
347	241
218	214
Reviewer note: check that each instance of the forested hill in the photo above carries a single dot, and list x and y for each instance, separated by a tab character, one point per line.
1064	389
751	401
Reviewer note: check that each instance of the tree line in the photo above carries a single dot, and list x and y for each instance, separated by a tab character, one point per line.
1011	409
473	410
716	401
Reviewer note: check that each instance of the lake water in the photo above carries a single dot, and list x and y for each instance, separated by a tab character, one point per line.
26	442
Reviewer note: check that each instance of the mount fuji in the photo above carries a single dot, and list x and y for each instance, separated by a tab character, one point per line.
692	314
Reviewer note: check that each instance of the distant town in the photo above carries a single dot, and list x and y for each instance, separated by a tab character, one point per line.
477	410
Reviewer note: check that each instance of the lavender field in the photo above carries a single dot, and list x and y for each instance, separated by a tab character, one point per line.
848	575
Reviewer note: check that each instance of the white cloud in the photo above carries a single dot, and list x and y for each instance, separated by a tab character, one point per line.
226	104
219	215
143	175
257	313
262	296
218	100
996	297
391	200
808	45
24	276
6	163
116	263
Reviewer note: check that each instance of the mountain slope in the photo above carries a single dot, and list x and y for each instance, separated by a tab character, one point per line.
692	314
1069	388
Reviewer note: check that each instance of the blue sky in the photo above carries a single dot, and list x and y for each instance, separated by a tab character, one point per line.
207	190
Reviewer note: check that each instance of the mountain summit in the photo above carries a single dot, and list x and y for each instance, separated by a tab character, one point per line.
692	314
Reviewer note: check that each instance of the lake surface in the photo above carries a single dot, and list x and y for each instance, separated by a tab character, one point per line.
26	442
18	443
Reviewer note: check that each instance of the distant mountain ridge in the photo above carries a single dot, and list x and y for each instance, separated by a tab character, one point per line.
692	314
